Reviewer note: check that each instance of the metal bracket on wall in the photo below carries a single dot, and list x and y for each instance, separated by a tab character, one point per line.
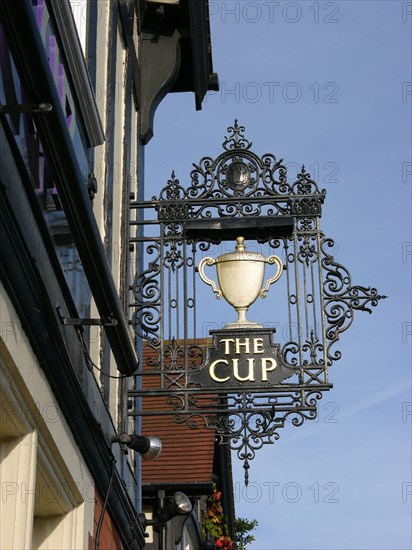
29	108
77	321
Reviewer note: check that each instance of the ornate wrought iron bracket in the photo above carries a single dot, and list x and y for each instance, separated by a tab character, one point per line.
238	194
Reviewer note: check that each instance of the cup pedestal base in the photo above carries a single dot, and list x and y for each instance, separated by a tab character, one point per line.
242	322
243	326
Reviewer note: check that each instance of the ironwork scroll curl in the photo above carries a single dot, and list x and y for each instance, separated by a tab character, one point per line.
341	298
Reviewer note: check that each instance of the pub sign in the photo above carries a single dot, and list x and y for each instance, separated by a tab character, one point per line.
243	381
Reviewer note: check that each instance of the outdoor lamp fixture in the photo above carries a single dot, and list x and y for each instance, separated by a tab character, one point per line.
179	505
149	447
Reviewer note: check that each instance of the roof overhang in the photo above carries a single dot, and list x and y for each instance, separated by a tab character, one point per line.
175	54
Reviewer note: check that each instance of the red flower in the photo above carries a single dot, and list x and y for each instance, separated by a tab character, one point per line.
213	521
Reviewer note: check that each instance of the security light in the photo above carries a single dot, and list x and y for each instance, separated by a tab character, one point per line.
179	505
149	447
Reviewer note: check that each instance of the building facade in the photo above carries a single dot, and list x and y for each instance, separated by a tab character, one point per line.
79	85
191	462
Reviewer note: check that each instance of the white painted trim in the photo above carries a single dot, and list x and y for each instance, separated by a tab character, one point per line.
79	9
28	406
18	476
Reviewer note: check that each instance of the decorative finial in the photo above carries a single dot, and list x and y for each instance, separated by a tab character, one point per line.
236	138
240	247
246	467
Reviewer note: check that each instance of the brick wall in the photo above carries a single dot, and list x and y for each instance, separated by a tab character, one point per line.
109	536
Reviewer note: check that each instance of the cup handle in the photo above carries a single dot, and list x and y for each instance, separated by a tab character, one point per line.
272	260
209	261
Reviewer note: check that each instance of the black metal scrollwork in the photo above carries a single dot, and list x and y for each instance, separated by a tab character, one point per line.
341	298
317	305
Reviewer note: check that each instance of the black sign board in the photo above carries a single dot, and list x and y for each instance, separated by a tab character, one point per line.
242	358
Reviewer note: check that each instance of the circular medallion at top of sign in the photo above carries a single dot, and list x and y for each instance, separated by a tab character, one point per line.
238	176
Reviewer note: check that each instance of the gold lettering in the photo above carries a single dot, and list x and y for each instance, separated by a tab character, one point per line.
258	345
250	377
213	373
266	369
244	344
227	344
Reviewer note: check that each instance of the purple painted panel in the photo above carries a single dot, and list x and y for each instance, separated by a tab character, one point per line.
39	12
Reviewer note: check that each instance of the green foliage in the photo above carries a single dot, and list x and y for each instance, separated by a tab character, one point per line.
242	528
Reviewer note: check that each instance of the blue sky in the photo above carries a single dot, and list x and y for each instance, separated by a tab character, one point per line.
325	84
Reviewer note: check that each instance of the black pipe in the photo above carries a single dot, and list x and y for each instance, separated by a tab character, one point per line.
30	57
